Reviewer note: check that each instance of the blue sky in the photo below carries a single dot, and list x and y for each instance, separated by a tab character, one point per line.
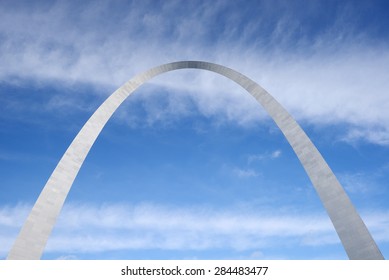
190	167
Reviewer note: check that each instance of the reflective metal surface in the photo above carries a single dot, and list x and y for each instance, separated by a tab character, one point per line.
351	230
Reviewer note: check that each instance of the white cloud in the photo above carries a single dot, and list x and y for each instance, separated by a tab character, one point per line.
91	228
264	156
11	219
245	173
333	82
359	183
276	154
13	216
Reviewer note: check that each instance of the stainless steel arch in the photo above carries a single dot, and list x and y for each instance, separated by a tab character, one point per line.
351	230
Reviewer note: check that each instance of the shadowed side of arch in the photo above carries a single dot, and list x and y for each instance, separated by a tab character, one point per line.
349	226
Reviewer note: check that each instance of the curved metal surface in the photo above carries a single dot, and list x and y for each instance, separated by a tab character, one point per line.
351	230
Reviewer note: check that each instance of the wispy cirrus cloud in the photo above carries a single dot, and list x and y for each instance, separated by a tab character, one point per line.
245	173
86	228
325	75
359	183
264	156
92	228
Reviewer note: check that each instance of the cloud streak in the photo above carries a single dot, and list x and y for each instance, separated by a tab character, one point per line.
264	156
245	173
87	228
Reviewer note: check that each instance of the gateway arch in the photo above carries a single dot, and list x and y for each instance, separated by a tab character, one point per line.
354	235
